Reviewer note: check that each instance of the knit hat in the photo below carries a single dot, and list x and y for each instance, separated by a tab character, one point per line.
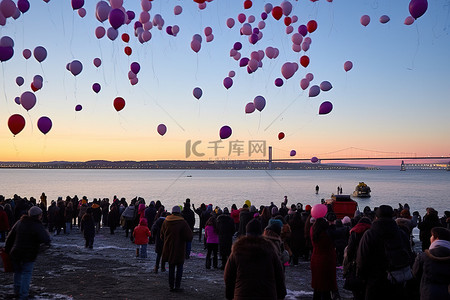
252	209
384	211
176	209
346	220
34	211
275	226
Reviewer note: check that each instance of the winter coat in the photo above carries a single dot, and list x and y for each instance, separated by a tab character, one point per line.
432	267
87	226
323	263
24	239
156	230
211	235
175	232
189	215
429	221
297	241
245	216
150	214
372	262
129	213
225	230
113	217
4	223
141	233
96	212
254	271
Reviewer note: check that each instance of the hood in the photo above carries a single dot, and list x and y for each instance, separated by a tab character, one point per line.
360	227
174	217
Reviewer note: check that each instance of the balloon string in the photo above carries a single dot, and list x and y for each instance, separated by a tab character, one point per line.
4	85
171	184
284	190
284	110
71	35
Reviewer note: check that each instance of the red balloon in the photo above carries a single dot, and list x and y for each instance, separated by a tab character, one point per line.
119	103
304	61
34	88
16	123
311	26
281	135
128	50
287	21
125	37
277	12
247	4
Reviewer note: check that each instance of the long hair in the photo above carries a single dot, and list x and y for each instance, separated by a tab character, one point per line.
320	226
212	222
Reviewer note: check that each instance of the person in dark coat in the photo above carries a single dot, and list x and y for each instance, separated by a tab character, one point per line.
200	212
225	229
113	218
253	270
297	241
382	243
429	221
4	224
23	244
432	267
87	226
244	217
189	215
175	232
156	232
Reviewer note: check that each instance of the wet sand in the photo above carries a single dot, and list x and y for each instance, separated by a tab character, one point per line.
111	271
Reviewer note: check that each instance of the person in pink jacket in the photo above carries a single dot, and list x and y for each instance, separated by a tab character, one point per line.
141	233
212	242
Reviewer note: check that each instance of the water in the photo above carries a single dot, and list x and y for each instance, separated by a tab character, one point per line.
419	188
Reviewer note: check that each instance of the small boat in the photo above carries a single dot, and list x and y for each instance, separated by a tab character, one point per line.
189	176
362	190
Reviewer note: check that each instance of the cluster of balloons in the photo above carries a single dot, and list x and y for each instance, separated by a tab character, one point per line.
196	43
16	123
135	67
78	6
416	9
258	103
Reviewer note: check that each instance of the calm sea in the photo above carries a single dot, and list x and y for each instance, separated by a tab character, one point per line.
419	188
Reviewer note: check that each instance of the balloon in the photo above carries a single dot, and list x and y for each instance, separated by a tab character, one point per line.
325	108
251	19
78	107
304	83
348	65
44	124
288	69
302	30
119	103
225	132
384	19
263	16
116	3
40	53
230	22
408	20
76	67
287	7
314	159
177	10
23	5
162	129
293	153
253	39
227	82
305	45
97	62
325	86
311	26
297	38
6	41
278	82
116	18
146	5
270	52
130	15
28	100
26	53
125	37
314	91
417	8
365	20
241	18
231	74
82	12
208	31
175	30
100	32
7	8
259	102
135	67
197	92
16	123
195	46
249	108
246	29
281	136
319	211
38	81
127	50
277	12
309	76
289	29
268	8
17	100
96	87
144	17
247	4
304	61
19	80
112	33
102	10
77	4
237	46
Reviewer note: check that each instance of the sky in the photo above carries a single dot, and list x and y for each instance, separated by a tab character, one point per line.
393	102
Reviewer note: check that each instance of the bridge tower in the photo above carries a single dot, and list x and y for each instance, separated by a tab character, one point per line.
270	157
403	166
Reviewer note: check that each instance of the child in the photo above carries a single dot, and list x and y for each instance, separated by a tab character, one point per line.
212	242
141	233
88	228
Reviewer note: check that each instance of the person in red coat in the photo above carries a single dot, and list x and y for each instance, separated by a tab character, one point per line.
323	261
141	233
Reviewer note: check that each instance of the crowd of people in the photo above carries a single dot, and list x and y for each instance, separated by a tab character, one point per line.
375	247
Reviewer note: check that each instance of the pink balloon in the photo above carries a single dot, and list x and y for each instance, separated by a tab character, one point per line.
259	102
289	29
365	20
241	18
325	108
97	62
319	211
177	10
288	69
207	31
102	10
408	20
116	3
162	129
314	91
26	53
309	76
287	7
268	8
112	33
348	65
249	108
225	132
297	38
304	83
100	32
7	8
197	92
270	52
44	124
230	22
146	5
28	100
195	45
82	12
384	19
325	86
40	53
210	38
231	74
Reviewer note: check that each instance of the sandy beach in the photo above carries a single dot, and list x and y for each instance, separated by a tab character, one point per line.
111	271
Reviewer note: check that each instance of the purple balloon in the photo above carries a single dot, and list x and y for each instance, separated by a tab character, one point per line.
17	100
23	5
76	67
96	87
243	62
131	15
40	53
314	159
19	80
259	102
78	107
197	92
303	30
278	82
254	38
227	82
225	132
137	25
162	129
263	15
44	124
116	18
293	153
6	53
169	30
135	67
325	108
417	8
314	91
77	4
237	46
256	30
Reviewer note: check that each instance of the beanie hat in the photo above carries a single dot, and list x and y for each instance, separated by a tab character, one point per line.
253	227
275	225
176	209
252	209
34	211
384	211
346	220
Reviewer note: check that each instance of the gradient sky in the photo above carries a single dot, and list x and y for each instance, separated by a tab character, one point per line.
395	100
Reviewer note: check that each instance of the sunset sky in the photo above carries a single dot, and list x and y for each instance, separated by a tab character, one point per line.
395	100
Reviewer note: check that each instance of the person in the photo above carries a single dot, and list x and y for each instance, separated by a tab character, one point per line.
297	242
432	267
113	217
254	270
384	242
87	226
4	224
235	216
317	189
141	233
429	221
212	242
200	212
156	230
244	217
225	229
175	232
189	215
23	244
